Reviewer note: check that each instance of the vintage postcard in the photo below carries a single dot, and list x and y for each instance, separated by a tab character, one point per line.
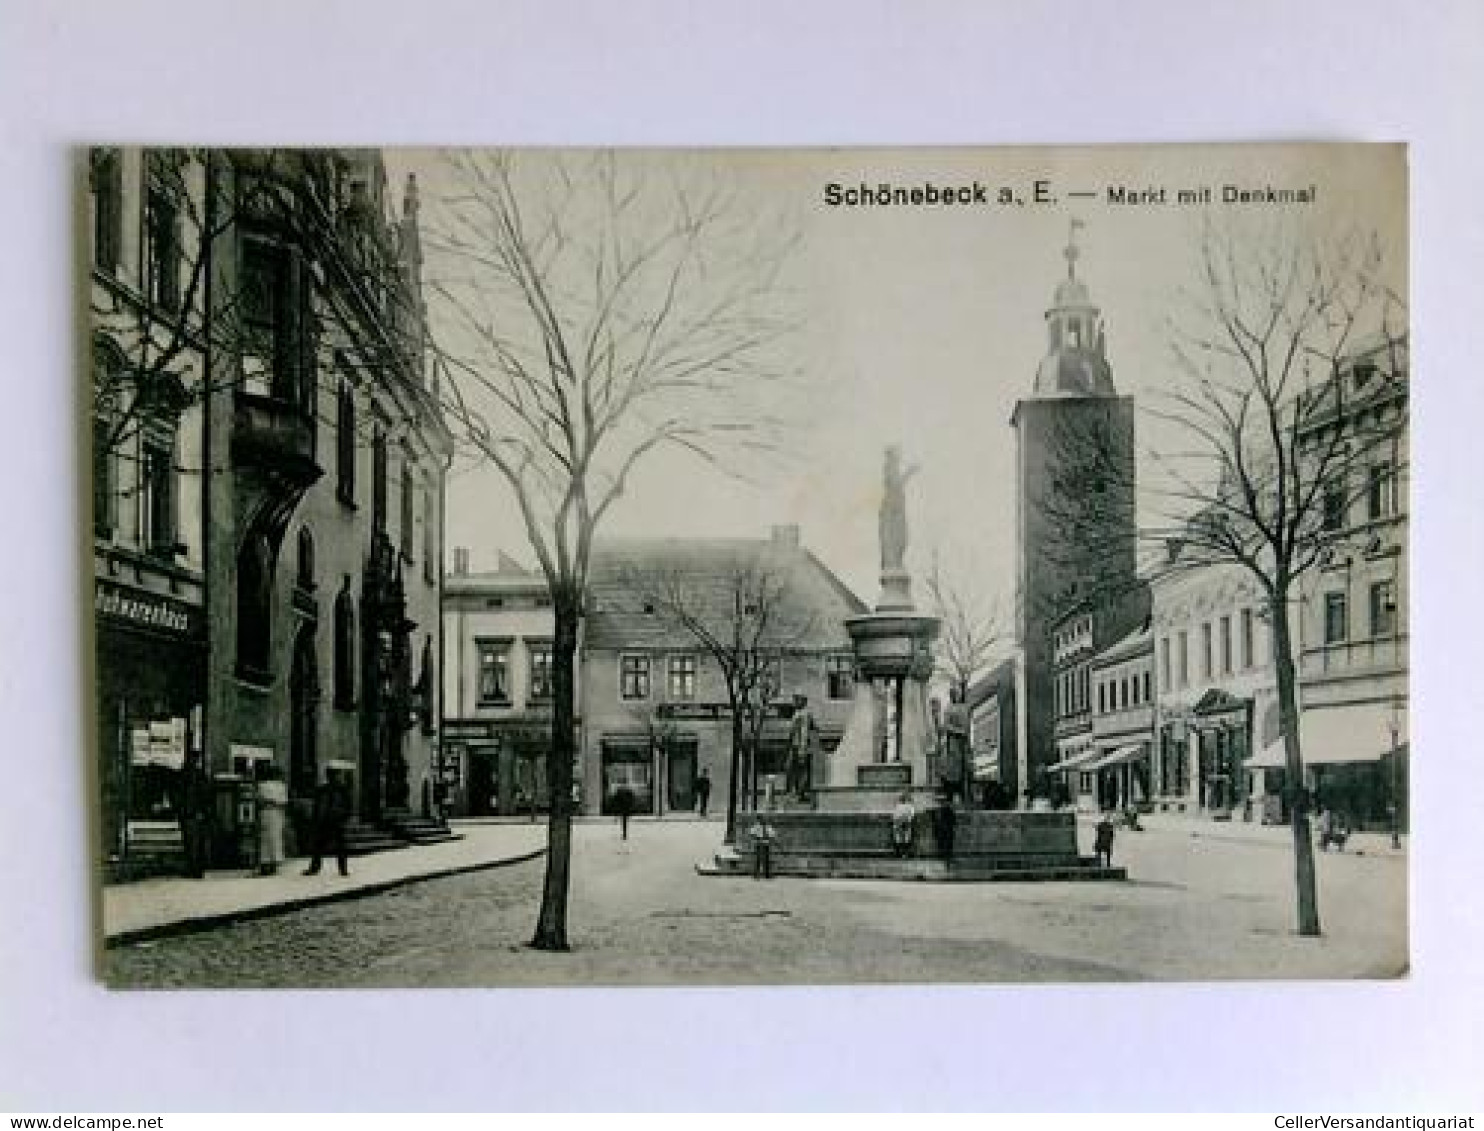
695	567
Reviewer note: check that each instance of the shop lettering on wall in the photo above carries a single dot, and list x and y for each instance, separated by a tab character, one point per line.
713	711
146	610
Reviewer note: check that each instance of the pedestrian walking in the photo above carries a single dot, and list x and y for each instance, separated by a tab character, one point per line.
763	835
1102	845
195	817
331	812
703	791
273	802
623	807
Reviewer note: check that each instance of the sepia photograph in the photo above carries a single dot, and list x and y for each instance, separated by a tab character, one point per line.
545	567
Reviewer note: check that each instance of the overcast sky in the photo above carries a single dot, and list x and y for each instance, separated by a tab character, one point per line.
924	325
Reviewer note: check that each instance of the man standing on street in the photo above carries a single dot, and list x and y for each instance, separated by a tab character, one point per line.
703	791
331	811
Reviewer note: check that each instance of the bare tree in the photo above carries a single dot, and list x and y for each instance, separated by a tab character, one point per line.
595	310
1271	435
744	621
973	627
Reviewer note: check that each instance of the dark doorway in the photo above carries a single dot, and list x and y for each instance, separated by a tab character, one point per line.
304	694
483	798
681	775
631	767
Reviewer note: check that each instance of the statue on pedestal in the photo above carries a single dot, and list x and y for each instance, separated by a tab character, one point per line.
894	512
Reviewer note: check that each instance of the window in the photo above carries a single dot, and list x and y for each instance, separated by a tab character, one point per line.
494	672
1383	609
265	321
1164	663
540	653
305	578
254	607
107	376
633	677
1184	659
682	677
345	647
157	496
1226	645
1247	641
1336	629
162	222
430	536
378	480
1102	698
1379	491
1206	650
840	676
1145	678
107	177
345	444
405	533
1334	503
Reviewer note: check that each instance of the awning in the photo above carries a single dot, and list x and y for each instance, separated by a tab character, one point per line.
1129	753
1337	735
1076	760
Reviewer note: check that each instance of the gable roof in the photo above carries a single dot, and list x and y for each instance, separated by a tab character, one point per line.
814	605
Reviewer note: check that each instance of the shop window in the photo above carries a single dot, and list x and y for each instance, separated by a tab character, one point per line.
254	607
345	444
633	677
840	676
1383	609
1336	626
541	670
345	647
682	677
494	673
106	174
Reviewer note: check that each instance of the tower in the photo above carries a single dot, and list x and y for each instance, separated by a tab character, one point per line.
1074	497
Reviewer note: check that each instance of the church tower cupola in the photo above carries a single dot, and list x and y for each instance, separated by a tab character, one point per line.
1076	362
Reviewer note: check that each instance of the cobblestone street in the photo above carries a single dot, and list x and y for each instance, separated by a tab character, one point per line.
1195	907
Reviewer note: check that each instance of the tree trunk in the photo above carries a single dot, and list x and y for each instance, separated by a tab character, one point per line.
735	776
1303	844
551	927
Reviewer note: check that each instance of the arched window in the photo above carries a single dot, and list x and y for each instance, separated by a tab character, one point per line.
254	607
108	377
345	648
345	445
306	558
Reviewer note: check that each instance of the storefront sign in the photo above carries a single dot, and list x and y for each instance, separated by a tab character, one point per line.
703	711
457	729
160	743
147	610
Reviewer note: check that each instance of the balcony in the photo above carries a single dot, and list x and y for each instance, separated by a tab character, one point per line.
274	436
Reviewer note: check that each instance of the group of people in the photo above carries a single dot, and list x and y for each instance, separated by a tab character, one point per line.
328	817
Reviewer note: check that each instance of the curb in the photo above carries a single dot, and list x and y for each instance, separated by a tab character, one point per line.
200	923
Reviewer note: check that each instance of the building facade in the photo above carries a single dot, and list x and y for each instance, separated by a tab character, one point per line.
147	313
1217	699
1122	694
1075	531
654	703
992	736
318	472
1353	621
497	689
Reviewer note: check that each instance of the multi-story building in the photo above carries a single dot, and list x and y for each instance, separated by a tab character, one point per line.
307	467
1353	606
654	704
497	641
149	371
1075	531
1217	701
1122	695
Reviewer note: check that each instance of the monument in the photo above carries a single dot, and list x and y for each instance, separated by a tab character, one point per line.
881	771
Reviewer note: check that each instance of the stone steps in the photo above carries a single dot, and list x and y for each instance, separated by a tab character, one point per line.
866	866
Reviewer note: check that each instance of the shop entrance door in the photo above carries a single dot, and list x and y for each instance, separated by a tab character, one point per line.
681	776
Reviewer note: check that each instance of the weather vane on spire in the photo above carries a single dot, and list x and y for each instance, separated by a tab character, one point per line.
1071	252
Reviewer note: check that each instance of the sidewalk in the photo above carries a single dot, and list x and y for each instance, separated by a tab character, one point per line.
1251	832
145	909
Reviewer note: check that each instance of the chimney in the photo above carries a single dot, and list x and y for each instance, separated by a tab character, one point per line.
460	561
786	536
